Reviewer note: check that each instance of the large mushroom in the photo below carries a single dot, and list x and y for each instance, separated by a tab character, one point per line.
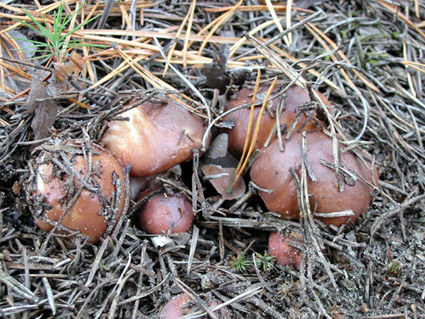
272	171
77	187
290	103
158	135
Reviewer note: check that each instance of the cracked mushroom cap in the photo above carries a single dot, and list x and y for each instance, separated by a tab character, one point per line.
157	136
91	197
294	98
271	171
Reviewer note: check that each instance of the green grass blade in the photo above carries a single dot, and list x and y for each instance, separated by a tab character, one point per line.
79	27
41	29
84	45
31	41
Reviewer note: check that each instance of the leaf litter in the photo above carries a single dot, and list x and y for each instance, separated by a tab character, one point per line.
367	57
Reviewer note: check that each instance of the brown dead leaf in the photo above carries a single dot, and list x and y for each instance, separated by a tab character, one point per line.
38	91
71	67
44	110
222	178
218	154
219	169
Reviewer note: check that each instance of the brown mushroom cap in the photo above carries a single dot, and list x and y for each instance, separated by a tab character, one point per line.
181	305
164	212
176	308
157	136
284	253
87	215
271	171
295	97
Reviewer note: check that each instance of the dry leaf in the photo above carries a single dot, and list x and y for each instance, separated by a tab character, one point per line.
44	110
222	178
217	153
62	71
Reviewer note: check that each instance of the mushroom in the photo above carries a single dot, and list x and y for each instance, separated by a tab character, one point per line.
163	213
294	98
272	171
284	253
181	305
157	136
176	308
80	195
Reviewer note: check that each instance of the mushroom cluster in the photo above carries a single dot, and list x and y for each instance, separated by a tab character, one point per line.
152	138
337	193
156	135
82	192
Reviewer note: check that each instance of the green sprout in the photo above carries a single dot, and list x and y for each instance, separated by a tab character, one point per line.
265	261
395	268
239	263
57	44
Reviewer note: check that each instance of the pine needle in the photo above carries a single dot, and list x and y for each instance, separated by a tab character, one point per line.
256	130
396	11
289	19
276	20
238	171
259	8
415	65
324	40
171	51
220	22
188	31
241	41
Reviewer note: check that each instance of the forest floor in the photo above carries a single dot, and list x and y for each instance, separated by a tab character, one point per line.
368	59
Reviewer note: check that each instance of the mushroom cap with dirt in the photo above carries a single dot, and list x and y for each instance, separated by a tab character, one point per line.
77	187
271	171
158	135
290	104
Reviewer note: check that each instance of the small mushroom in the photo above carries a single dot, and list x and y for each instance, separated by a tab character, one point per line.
163	213
284	253
157	136
83	197
176	308
271	171
290	103
181	306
